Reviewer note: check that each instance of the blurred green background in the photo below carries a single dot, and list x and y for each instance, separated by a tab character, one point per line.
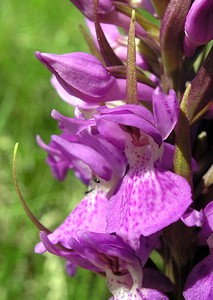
26	101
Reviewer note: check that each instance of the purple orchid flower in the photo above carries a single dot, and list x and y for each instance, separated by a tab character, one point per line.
202	219
200	280
82	240
83	76
198	26
107	13
56	160
111	256
150	197
86	152
87	7
107	254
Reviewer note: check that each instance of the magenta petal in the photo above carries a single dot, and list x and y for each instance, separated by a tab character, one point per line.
166	110
88	155
105	244
148	199
199	285
138	110
72	125
58	162
72	100
83	76
192	217
87	7
89	214
149	294
80	74
198	26
124	115
112	132
111	153
69	255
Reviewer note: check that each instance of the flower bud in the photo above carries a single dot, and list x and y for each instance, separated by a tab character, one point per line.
198	26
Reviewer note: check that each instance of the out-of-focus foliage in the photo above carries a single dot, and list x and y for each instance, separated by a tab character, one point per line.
26	100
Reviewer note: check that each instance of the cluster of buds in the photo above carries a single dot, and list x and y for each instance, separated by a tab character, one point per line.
140	141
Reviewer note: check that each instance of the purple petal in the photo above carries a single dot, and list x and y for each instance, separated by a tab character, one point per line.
106	14
89	253
80	74
72	125
58	162
112	132
166	110
138	110
192	217
87	7
198	26
84	77
148	199
74	101
109	151
150	294
123	115
109	245
200	281
118	91
89	214
88	155
69	255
